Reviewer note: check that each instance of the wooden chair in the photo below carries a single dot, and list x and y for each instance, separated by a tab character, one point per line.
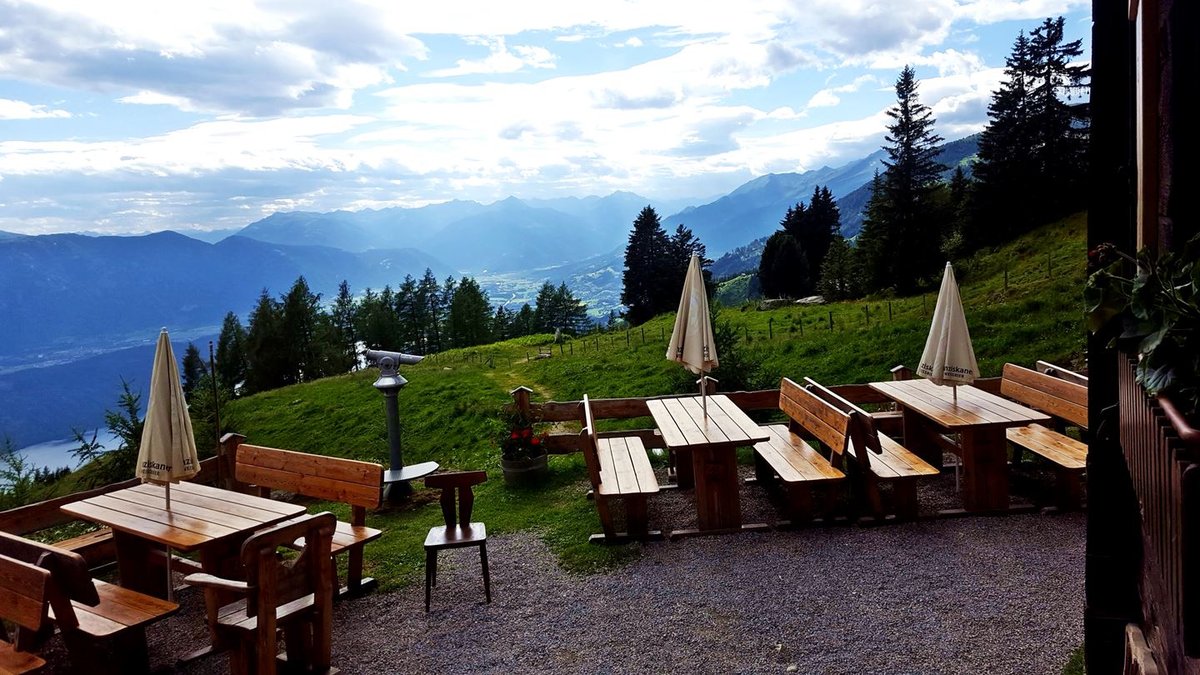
23	589
293	594
459	531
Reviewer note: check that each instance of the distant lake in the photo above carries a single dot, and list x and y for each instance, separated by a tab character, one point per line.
57	454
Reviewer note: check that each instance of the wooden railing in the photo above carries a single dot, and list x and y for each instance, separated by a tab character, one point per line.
1166	478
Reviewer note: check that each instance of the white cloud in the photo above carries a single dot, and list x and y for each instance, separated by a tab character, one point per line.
20	110
500	60
154	98
633	41
993	11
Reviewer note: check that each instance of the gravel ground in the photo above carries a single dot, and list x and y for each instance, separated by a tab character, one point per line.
964	595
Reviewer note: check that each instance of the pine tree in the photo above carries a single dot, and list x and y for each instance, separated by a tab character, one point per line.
783	269
502	324
544	314
1059	130
840	275
524	323
912	173
645	254
341	316
1032	155
470	315
193	368
301	313
266	346
428	292
875	239
231	354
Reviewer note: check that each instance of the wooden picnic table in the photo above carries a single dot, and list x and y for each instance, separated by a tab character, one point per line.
712	442
979	418
206	519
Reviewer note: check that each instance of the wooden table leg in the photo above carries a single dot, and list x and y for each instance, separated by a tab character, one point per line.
919	438
985	469
684	472
717	501
134	565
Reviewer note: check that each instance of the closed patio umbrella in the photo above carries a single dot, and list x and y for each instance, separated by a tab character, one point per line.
692	338
949	358
168	450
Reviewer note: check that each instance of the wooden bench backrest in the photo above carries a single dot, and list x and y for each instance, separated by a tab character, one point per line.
817	417
1047	393
336	479
1061	373
23	593
862	430
589	443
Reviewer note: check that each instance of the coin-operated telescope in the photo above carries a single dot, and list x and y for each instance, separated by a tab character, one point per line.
390	381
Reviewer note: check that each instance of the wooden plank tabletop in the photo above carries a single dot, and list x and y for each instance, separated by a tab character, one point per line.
683	424
975	407
199	513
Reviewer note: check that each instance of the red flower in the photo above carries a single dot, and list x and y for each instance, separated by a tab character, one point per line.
527	432
515	435
536	440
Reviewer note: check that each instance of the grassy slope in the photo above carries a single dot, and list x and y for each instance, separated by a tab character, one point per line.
450	409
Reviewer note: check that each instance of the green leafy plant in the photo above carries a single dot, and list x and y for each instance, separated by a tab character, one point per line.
1159	307
520	441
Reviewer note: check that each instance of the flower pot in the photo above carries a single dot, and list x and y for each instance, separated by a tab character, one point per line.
528	471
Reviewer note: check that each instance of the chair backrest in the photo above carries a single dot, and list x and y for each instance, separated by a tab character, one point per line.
590	444
276	581
459	482
331	478
1052	395
23	595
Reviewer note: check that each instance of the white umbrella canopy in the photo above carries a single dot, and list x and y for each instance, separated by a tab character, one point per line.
949	358
168	450
692	338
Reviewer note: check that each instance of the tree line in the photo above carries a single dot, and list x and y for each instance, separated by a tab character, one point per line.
655	266
295	338
1030	168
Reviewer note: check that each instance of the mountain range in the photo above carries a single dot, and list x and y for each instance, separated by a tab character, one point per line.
68	296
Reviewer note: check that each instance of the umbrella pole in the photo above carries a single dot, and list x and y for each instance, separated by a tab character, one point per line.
703	395
170	581
954	391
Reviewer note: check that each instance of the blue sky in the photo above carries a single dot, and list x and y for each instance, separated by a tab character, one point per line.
129	117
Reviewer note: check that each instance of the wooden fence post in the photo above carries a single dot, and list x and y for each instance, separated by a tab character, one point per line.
831	320
227	460
771	328
521	400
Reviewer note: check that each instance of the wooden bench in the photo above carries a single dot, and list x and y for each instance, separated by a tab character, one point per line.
1067	401
787	458
852	431
618	468
22	601
357	484
102	625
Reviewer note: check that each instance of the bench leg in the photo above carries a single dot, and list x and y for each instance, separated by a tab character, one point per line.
905	494
1070	489
606	522
874	499
637	520
800	502
763	471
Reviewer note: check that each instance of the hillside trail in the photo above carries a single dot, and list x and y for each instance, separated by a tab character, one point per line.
511	378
